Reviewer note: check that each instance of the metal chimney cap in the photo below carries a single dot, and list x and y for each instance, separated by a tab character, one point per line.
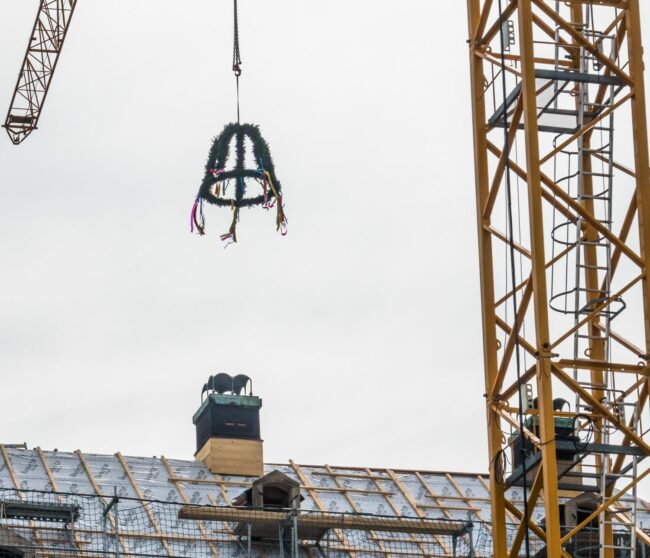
225	383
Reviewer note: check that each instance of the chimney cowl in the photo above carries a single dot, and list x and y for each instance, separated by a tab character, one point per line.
228	437
225	383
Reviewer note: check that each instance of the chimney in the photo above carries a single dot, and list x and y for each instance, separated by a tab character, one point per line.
228	427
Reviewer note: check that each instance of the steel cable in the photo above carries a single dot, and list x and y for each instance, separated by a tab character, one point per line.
236	54
513	278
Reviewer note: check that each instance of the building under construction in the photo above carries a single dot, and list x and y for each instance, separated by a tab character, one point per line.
228	502
560	144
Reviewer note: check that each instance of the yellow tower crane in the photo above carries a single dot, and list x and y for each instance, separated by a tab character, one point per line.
563	195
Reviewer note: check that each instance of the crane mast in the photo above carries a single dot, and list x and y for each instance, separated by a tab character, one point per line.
563	214
43	51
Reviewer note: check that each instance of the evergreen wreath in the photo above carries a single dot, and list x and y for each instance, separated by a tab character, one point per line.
217	179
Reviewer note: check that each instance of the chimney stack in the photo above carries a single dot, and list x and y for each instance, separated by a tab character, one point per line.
228	427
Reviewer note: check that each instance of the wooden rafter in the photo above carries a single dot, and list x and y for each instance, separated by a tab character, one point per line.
55	486
138	491
12	471
181	491
416	507
305	482
93	482
14	480
469	501
354	505
393	506
216	481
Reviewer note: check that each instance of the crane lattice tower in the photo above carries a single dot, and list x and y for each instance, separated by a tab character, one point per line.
563	213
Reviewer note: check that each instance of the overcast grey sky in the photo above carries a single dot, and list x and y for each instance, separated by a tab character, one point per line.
360	329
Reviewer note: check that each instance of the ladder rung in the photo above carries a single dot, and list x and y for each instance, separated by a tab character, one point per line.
585	336
592	243
597	197
601	267
587	311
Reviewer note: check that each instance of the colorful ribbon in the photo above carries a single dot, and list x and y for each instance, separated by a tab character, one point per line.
194	222
232	233
281	218
197	219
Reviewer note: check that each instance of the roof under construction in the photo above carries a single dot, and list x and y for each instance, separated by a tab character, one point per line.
150	506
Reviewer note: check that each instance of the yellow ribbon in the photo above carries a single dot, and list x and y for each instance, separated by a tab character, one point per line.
232	233
281	220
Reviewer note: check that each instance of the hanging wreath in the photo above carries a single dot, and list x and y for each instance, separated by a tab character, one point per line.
229	185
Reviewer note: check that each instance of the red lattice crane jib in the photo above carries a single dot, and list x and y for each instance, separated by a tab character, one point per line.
45	44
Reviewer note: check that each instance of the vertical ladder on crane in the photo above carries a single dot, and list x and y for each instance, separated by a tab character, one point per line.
586	299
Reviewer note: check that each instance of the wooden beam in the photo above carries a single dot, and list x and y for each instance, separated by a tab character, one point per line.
181	491
152	518
12	471
438	505
398	513
326	520
344	475
14	480
55	487
247	485
222	488
48	472
467	500
97	490
133	534
304	481
353	505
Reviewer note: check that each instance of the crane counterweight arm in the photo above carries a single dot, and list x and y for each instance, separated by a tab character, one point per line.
45	44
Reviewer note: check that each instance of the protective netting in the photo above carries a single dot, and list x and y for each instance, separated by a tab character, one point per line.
37	524
47	524
483	541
